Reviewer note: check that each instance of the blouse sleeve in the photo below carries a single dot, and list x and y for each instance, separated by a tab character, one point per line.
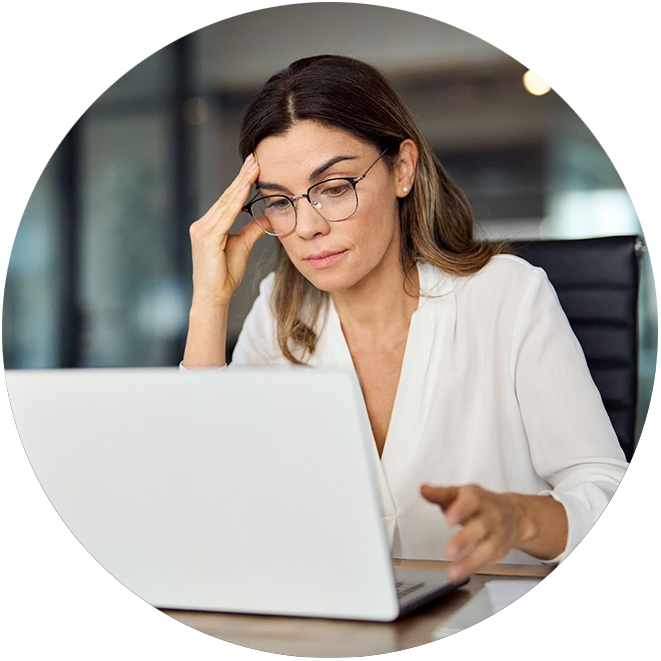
572	441
257	343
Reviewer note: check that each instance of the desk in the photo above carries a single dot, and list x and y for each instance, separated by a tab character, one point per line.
340	638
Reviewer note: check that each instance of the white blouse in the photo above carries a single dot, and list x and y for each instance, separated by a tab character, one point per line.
494	390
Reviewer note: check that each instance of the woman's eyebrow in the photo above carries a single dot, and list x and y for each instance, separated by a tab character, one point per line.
315	174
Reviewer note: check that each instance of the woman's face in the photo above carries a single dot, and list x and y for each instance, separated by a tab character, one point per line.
363	244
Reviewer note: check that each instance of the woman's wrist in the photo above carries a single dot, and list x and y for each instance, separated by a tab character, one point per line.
524	514
543	525
201	307
207	335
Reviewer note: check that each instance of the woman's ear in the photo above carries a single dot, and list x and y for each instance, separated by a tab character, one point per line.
405	167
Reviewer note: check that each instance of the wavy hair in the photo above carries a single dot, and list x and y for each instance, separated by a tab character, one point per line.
436	220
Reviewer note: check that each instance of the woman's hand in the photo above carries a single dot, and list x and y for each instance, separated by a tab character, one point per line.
220	258
495	523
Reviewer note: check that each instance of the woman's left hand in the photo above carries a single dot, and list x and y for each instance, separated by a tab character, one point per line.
493	525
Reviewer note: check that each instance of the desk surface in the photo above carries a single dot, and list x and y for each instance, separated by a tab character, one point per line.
339	638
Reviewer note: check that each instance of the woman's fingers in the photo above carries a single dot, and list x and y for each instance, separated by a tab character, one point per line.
230	208
248	164
473	532
220	259
465	505
484	553
245	239
247	169
442	496
223	213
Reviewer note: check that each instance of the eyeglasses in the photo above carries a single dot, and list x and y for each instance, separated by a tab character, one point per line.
333	199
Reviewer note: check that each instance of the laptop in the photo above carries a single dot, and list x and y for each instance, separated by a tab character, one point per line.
247	490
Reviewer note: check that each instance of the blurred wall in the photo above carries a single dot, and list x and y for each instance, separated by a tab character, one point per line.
100	272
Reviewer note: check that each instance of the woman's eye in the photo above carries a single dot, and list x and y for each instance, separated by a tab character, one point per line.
277	205
335	189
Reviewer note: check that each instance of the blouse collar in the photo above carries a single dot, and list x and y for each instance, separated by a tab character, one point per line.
433	283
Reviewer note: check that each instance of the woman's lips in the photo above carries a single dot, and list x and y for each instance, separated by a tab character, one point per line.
324	259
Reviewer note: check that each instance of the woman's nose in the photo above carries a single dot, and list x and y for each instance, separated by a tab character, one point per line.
309	222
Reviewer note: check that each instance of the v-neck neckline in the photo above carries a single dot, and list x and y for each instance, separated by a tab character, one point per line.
334	351
348	360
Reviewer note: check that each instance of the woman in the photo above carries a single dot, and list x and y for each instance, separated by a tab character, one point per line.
478	394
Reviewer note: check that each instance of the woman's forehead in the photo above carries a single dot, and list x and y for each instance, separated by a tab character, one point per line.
307	153
307	142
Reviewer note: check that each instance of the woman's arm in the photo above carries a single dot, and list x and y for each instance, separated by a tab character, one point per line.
544	523
219	264
573	445
571	441
257	343
495	523
207	336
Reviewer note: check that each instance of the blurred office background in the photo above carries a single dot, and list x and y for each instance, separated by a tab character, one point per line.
100	273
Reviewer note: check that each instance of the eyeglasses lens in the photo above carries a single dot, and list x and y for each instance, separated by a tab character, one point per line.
333	200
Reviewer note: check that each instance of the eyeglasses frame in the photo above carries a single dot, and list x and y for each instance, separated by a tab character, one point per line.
292	200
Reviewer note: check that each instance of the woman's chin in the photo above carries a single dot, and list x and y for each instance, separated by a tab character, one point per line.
331	280
328	285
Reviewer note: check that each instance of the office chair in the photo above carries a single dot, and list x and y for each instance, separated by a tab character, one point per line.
597	283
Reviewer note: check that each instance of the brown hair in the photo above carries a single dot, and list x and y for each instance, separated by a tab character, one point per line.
436	220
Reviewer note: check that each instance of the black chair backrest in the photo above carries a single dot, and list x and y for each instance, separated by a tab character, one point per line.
597	284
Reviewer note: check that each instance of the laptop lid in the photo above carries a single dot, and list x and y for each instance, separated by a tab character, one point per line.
248	490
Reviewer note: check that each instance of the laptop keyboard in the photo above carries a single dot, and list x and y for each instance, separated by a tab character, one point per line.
404	588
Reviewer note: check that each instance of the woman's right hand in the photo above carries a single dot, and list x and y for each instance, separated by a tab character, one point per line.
220	258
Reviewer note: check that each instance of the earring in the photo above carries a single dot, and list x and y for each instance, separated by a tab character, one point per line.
405	189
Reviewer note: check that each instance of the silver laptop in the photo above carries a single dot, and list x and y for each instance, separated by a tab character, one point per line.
244	490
